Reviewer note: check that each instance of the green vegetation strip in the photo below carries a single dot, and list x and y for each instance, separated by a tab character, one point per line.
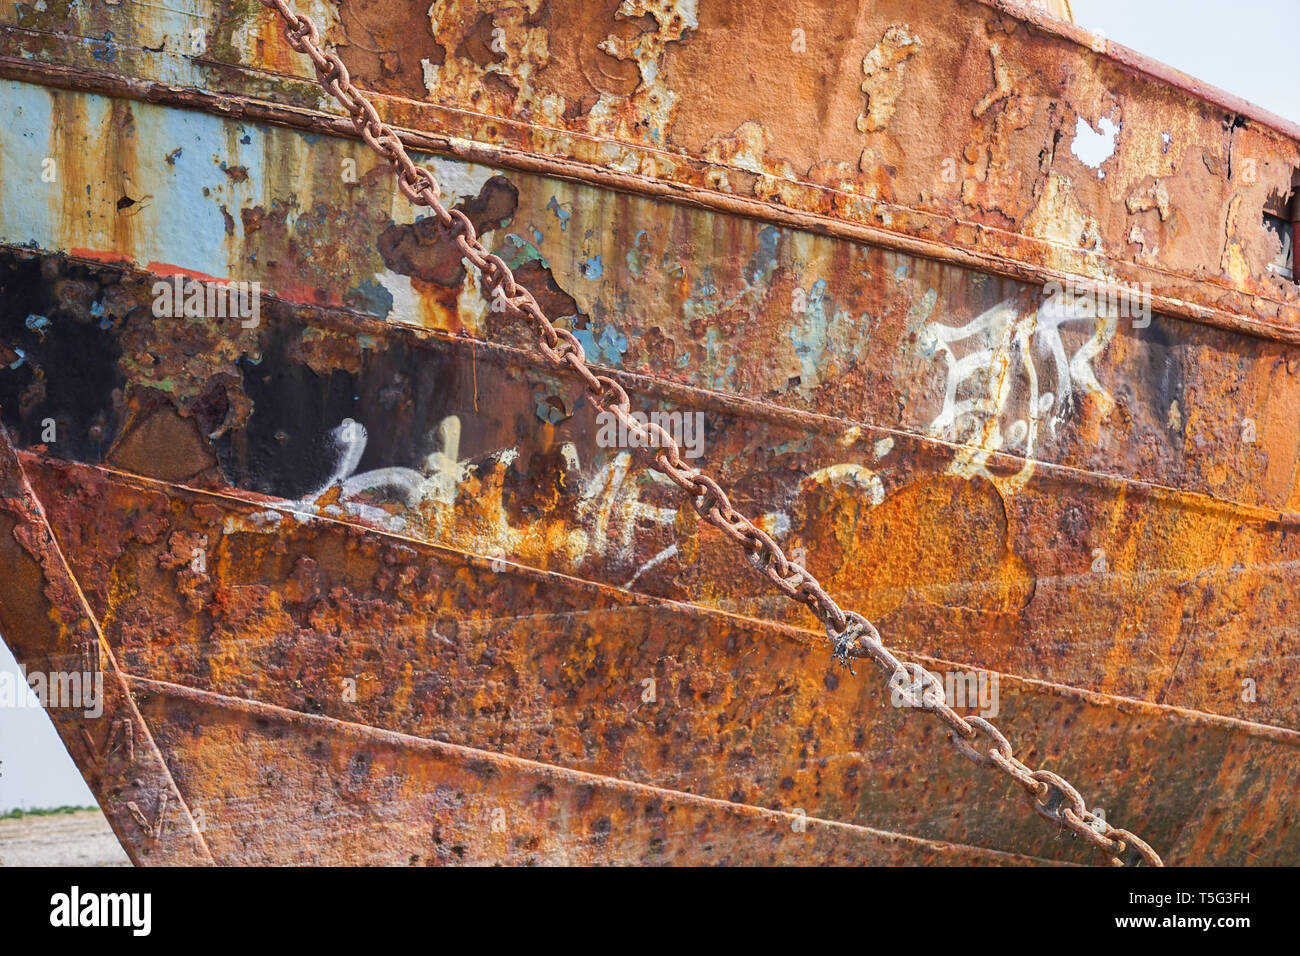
19	814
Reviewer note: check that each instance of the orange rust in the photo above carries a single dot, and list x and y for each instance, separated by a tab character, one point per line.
1050	64
1131	549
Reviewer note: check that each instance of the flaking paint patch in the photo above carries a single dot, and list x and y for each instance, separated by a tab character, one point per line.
26	209
459	180
810	337
1059	219
1154	196
520	51
88	127
405	300
853	478
885	69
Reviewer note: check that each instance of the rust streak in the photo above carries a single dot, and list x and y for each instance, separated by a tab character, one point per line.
315	121
799	635
366	733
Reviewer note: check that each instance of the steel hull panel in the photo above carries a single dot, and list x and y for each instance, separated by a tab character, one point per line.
1187	597
367	579
962	137
694	297
287	788
435	647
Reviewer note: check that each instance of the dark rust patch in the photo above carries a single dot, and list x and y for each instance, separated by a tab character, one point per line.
423	249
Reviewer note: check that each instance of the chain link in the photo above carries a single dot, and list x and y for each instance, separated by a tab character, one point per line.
851	635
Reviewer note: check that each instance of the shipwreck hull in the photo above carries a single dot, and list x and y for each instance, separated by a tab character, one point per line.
370	583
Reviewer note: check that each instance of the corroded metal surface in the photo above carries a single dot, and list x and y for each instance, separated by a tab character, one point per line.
852	636
501	459
488	654
47	621
392	799
961	126
775	316
1103	507
510	660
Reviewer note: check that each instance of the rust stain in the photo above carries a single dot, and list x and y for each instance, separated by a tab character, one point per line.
276	627
378	480
872	506
52	629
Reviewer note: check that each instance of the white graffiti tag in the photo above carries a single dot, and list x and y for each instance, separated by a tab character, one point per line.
1000	369
609	501
438	482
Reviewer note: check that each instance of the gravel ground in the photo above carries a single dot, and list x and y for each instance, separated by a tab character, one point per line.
63	839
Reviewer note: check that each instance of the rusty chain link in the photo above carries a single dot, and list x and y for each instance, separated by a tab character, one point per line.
851	635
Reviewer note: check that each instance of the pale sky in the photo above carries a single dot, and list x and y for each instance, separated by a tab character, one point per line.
35	770
1244	47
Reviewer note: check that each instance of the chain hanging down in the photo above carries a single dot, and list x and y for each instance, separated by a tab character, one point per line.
851	635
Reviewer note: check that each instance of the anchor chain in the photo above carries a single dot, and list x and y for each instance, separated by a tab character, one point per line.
851	635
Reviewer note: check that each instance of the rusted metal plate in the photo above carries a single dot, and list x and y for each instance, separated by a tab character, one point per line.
963	126
53	632
383	798
364	627
779	317
361	529
280	603
1052	572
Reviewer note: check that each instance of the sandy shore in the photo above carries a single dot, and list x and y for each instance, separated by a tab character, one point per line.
63	839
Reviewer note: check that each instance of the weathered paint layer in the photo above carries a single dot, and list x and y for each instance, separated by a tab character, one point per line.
777	316
1108	584
975	150
381	480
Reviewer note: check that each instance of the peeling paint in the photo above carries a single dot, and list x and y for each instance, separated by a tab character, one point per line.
885	69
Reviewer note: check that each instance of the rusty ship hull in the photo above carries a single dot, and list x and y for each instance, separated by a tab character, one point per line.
368	582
